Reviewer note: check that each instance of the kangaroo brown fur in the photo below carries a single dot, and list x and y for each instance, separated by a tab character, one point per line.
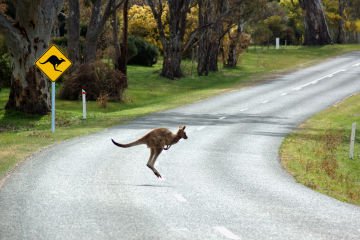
157	140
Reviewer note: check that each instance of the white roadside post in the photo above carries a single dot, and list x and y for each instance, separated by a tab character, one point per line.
277	43
83	93
352	140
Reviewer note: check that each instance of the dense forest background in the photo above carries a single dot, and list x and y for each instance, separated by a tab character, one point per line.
102	37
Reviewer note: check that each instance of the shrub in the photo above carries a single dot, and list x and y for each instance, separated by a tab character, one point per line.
97	79
102	100
145	54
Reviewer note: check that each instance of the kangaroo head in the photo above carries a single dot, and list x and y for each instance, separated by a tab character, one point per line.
181	132
62	60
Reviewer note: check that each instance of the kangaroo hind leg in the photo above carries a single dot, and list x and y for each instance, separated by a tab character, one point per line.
153	156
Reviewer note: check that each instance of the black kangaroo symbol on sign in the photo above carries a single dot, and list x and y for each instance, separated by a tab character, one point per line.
55	61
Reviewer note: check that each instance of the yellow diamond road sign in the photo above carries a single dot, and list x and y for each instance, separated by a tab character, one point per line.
53	63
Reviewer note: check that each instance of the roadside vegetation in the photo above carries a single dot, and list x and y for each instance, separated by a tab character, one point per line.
23	134
317	154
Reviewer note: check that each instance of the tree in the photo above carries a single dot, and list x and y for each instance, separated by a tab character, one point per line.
173	43
124	45
316	29
341	21
74	31
96	25
242	12
121	50
210	13
217	19
27	35
142	24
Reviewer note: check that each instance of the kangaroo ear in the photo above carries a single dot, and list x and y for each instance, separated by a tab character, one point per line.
183	128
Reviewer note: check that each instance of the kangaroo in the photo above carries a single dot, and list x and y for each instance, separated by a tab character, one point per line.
157	140
55	61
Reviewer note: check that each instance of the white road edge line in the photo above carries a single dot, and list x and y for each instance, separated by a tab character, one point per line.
284	94
179	197
226	233
265	101
317	80
221	118
243	109
356	65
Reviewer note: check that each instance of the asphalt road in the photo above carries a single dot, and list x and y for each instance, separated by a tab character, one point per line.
224	182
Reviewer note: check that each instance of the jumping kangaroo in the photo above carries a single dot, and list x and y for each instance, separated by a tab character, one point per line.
55	61
157	140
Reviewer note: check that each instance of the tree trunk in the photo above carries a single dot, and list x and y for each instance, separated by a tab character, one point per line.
231	60
93	32
73	45
124	44
96	26
172	60
209	42
316	29
341	25
120	58
214	56
232	54
203	53
172	44
115	35
27	37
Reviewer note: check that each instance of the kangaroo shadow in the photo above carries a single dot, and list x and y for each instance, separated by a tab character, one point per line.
153	185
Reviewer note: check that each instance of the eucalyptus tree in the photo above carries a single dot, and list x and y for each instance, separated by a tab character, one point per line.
96	25
73	27
216	19
27	33
172	43
316	28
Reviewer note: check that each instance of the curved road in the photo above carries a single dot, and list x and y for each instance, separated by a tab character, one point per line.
224	182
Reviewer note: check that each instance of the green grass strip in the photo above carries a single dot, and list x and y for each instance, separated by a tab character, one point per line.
317	154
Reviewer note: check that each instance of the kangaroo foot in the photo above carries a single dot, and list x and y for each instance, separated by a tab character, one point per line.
157	174
154	170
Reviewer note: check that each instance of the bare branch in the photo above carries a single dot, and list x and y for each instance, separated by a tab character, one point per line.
111	7
157	16
194	34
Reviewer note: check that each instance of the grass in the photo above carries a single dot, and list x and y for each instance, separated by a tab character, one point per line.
21	134
317	154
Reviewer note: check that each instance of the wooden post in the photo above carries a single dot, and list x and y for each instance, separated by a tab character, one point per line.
352	141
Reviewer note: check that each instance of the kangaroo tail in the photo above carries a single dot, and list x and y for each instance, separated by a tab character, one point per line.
137	142
45	62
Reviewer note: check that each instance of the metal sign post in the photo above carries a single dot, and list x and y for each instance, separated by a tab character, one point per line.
53	107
